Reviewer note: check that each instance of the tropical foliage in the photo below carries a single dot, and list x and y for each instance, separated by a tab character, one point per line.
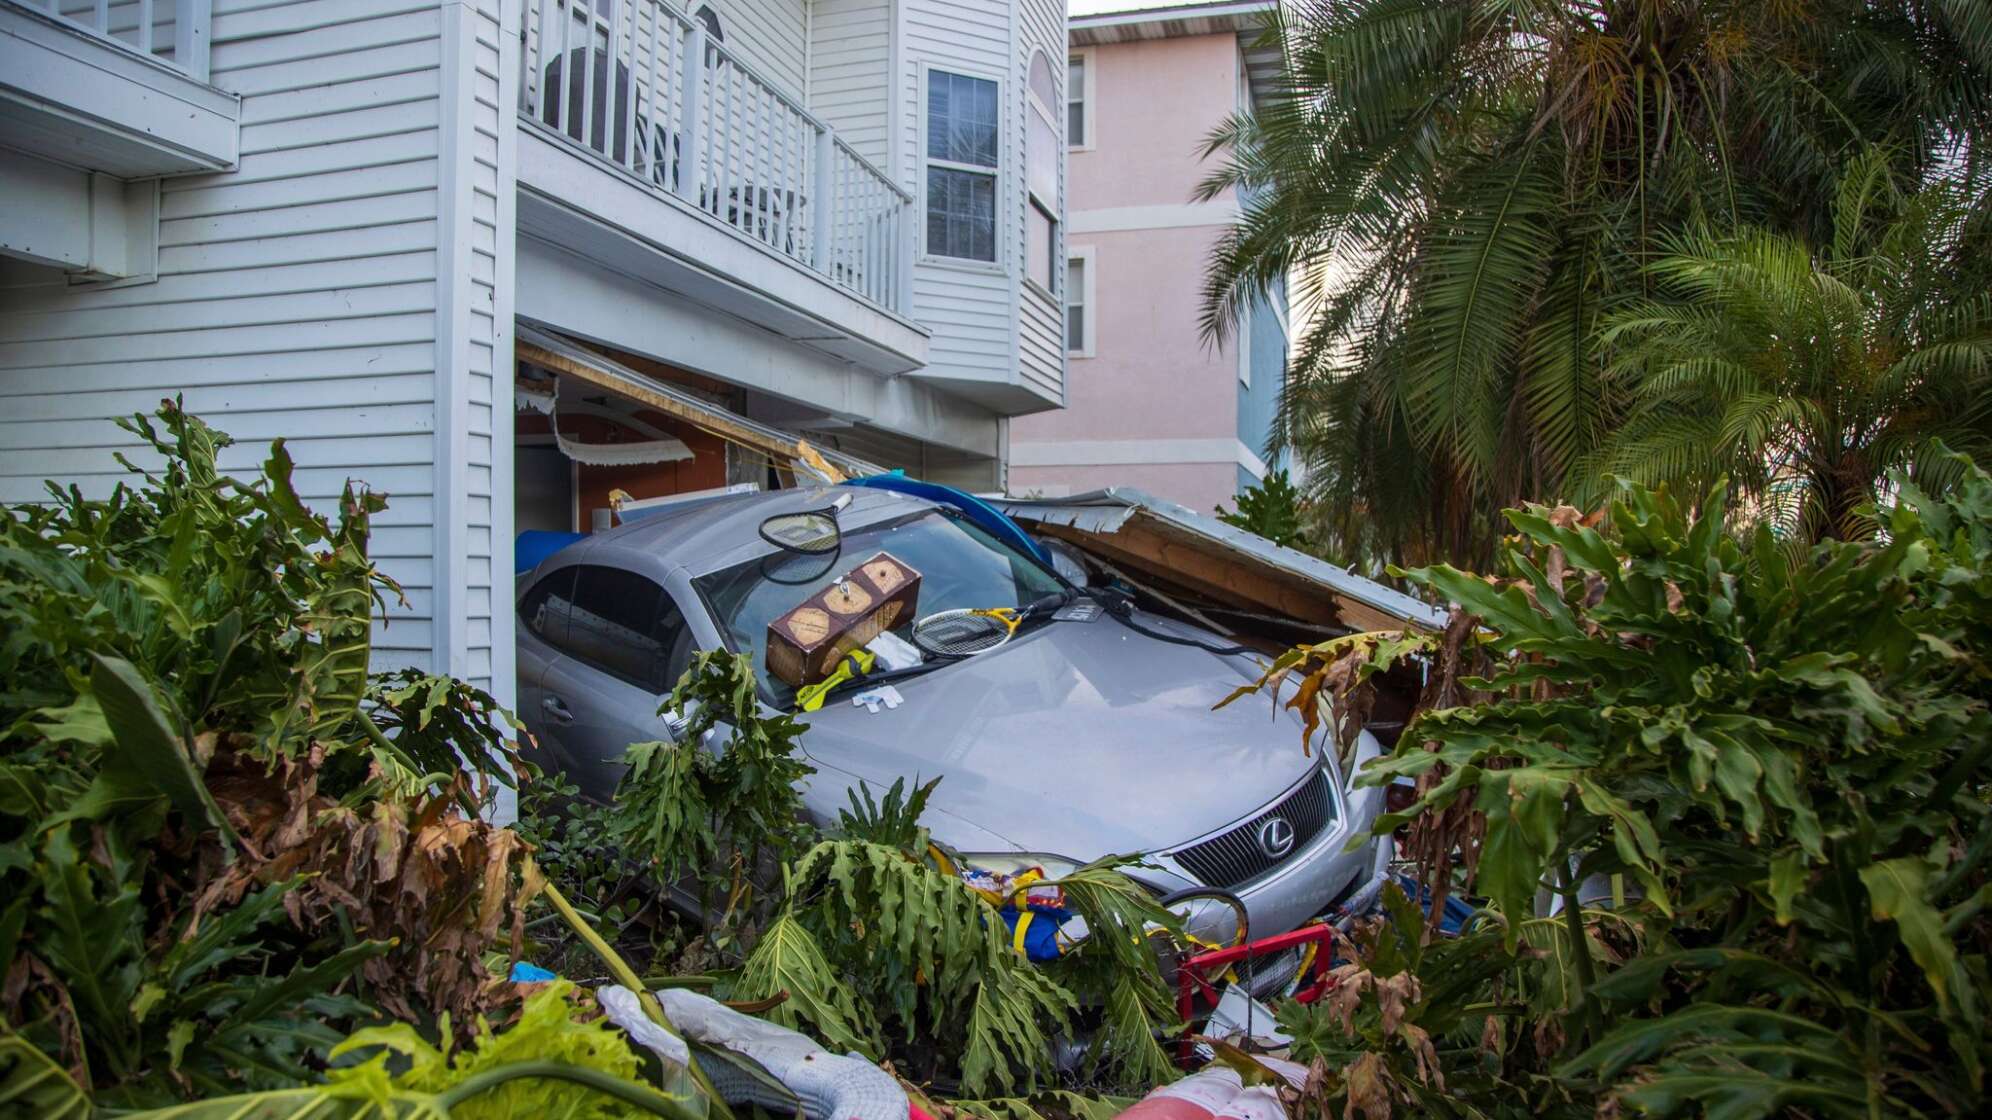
1466	190
722	811
1728	810
210	852
1806	377
884	949
1272	509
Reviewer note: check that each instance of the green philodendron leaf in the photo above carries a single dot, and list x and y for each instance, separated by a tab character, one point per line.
79	721
1788	877
787	959
149	754
1537	798
33	1086
1895	892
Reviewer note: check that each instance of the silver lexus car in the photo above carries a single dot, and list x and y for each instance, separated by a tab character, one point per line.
1089	733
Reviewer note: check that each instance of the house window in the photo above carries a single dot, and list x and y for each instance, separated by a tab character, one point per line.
962	142
1078	332
1041	156
1040	247
1075	102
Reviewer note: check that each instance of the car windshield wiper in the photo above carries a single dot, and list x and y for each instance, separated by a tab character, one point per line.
873	680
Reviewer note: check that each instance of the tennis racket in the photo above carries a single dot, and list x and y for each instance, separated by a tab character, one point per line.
966	632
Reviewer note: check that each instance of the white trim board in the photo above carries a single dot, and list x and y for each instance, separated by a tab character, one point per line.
1134	452
1180	215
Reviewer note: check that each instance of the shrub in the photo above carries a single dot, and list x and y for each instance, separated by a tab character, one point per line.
1728	809
211	854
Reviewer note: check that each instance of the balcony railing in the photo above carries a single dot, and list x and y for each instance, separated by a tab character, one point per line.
174	32
643	86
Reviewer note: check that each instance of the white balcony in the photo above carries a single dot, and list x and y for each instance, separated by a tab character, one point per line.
116	88
731	192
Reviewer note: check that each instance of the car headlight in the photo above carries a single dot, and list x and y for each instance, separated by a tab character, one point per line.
1212	918
1015	863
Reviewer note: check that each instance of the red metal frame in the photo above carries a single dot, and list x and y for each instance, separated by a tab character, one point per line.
1193	972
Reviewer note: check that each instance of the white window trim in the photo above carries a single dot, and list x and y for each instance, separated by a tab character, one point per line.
1090	330
1000	265
1085	55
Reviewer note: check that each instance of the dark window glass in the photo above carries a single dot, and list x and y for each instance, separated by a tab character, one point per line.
544	609
961	118
624	624
961	214
1075	304
1075	103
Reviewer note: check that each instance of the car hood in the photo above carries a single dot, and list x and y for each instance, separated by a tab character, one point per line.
1078	739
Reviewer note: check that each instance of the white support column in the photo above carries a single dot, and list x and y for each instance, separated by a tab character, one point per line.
190	36
691	158
822	203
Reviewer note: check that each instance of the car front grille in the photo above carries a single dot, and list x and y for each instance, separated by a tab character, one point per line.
1235	856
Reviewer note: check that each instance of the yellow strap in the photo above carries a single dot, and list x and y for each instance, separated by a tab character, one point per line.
941	859
1024	916
855	663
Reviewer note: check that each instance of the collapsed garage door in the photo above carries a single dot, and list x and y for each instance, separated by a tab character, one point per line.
595	435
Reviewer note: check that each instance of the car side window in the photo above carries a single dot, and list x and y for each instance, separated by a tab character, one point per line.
544	609
627	626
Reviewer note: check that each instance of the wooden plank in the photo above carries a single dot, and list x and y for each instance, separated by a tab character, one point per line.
709	421
1215	571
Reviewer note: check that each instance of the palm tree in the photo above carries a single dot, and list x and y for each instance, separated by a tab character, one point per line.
1464	189
1806	376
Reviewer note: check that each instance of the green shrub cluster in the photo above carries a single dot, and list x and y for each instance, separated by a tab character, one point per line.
1727	805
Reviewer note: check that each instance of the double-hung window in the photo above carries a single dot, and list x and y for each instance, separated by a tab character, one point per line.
962	146
1079	313
1075	102
1041	154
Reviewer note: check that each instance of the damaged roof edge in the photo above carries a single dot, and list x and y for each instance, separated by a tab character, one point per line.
1103	513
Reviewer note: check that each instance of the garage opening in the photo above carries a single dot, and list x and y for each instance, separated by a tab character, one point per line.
598	434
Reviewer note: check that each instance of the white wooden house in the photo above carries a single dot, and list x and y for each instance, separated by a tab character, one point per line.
336	220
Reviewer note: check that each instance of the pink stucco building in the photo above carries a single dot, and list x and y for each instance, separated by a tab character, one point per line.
1148	402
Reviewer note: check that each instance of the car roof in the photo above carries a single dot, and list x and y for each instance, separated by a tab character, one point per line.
712	534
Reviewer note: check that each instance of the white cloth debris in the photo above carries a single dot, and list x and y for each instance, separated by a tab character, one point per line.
625	1010
830	1086
634	453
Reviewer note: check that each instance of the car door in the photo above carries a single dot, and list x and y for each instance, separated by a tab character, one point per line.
624	647
541	627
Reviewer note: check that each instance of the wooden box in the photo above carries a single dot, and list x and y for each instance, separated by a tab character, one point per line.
806	642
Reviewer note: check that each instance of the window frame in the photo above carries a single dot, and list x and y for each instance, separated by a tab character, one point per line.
1089	330
1053	285
999	265
1084	57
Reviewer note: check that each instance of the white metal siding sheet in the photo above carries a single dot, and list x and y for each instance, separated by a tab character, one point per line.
296	297
850	62
971	313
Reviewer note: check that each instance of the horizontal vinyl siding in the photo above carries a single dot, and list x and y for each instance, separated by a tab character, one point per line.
483	554
1041	343
970	312
771	36
1040	321
850	60
296	296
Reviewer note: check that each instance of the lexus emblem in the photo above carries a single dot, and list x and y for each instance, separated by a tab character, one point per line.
1276	837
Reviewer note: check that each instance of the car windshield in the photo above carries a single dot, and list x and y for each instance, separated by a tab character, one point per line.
959	565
